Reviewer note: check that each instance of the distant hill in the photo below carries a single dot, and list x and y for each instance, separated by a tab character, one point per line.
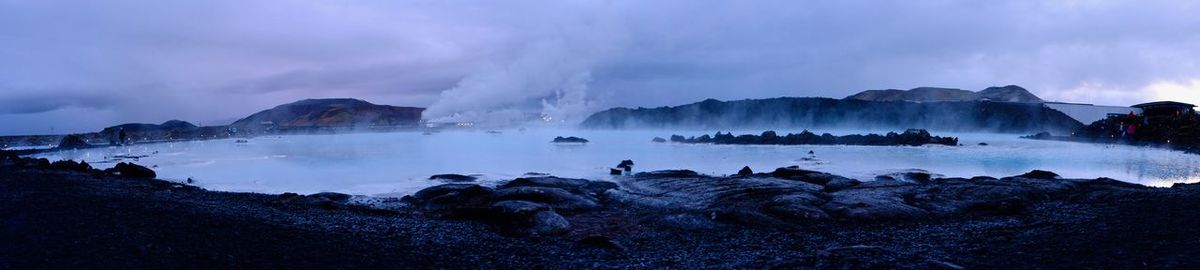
173	129
1010	93
329	113
967	116
138	127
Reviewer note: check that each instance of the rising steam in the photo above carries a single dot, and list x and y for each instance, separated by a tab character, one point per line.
546	83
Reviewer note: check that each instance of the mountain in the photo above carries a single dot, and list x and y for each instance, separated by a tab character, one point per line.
1010	93
827	113
329	113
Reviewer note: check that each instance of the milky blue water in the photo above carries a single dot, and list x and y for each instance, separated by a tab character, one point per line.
400	163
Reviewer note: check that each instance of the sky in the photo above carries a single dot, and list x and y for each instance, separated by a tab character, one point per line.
78	66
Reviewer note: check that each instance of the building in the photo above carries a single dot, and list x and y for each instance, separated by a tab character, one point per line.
1088	113
1165	108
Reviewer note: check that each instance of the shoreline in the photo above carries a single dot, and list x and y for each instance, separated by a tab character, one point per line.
668	219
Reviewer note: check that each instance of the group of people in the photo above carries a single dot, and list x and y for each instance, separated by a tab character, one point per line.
1129	125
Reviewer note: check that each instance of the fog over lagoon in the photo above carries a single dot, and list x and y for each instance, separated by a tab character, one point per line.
393	164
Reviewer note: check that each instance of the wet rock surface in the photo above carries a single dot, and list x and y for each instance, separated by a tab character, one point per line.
571	139
527	206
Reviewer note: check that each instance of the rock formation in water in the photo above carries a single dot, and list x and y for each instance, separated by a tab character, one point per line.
169	130
912	137
827	113
73	141
571	139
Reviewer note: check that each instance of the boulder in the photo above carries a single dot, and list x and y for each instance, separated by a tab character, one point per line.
625	164
528	218
658	140
745	171
132	170
840	183
452	198
548	223
556	198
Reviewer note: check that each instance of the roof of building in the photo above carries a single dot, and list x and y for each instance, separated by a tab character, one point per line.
1164	104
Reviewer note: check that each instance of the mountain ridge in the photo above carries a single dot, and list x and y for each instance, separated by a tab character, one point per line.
967	116
1008	93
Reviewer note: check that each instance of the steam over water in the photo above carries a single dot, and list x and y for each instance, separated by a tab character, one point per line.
400	163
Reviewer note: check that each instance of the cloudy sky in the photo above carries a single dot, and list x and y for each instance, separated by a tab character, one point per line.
75	66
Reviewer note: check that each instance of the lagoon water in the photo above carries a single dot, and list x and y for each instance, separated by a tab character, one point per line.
392	164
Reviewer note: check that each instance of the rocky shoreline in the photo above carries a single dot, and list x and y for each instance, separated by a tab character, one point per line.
57	216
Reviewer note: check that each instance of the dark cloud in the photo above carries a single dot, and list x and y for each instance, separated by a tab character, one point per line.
185	58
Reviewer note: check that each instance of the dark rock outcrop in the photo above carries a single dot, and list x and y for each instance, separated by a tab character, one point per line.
453	178
745	171
912	137
529	218
73	141
526	206
791	194
571	139
132	170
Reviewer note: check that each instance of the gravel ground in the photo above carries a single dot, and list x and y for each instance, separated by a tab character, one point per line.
57	219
